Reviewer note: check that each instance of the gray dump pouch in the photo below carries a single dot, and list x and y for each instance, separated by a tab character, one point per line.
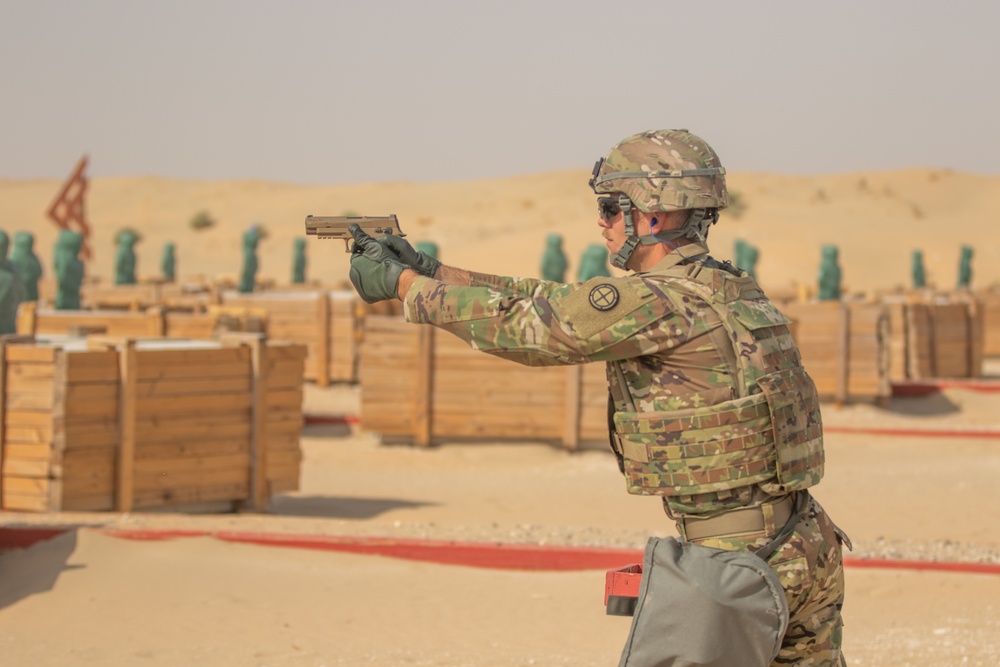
703	606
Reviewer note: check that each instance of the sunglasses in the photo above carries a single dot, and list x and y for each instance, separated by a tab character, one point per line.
608	208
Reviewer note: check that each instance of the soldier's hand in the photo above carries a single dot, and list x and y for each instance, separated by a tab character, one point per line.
375	269
420	262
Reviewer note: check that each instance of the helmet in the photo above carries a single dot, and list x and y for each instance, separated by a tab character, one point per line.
663	170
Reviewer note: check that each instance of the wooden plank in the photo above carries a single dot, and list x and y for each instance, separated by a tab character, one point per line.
89	486
283	399
423	400
191	464
29	372
194	494
196	357
187	387
219	370
284	458
843	353
83	436
34	451
174	429
571	411
279	352
291	427
28	434
30	353
194	449
28	418
4	407
27	485
199	404
101	407
128	358
323	340
25	467
24	502
293	379
258	444
146	481
277	442
103	357
20	385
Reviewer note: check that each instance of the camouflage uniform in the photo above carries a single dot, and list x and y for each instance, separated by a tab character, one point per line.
672	351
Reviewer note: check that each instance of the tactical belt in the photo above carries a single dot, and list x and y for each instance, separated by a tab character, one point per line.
768	518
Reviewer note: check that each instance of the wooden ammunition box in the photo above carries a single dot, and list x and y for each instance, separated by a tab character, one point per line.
118	424
420	385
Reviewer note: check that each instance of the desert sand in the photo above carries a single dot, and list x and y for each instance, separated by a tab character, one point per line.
877	219
89	598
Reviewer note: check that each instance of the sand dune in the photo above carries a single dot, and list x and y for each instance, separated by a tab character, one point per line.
499	226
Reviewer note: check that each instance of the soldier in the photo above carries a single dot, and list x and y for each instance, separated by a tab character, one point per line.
709	405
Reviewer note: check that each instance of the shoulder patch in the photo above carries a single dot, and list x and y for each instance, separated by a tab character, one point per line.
604	297
600	302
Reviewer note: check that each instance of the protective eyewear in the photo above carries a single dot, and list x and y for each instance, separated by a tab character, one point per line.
608	208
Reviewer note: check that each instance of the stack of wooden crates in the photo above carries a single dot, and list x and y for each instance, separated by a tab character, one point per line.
326	322
936	335
102	423
844	347
422	386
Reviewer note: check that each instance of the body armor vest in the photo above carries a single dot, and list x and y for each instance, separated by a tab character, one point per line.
770	434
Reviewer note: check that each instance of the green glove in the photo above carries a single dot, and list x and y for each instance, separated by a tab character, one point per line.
375	269
420	262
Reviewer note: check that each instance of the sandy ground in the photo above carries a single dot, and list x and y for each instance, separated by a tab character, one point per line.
92	599
88	598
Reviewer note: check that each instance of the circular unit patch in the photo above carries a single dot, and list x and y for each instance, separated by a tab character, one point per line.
604	297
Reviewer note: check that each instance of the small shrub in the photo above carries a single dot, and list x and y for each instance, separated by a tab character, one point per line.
737	206
201	220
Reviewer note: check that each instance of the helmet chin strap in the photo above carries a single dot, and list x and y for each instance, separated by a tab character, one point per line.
695	227
631	239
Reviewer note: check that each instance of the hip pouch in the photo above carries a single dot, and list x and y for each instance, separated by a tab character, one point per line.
703	606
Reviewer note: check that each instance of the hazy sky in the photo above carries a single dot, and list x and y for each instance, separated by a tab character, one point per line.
433	90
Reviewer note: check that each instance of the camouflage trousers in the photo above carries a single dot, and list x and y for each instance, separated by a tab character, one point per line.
811	569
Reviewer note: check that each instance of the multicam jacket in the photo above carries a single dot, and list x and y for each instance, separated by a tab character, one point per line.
709	399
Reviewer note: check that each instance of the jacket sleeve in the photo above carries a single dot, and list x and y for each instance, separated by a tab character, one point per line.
552	325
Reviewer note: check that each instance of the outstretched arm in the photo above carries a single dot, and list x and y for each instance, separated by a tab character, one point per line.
445	274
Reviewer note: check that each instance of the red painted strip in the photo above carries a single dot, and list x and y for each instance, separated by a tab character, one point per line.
935	566
924	387
473	554
22	538
915	432
502	555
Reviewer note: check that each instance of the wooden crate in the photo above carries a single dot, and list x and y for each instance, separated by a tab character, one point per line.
188	297
421	386
845	348
936	336
989	323
34	321
149	323
104	423
326	322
